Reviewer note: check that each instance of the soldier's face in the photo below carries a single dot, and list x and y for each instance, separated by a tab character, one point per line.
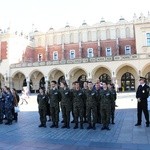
62	85
104	85
97	86
77	86
53	85
141	81
90	85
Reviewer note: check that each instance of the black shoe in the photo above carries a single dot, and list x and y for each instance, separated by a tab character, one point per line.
147	125
85	121
64	126
56	126
1	122
112	123
41	125
81	126
8	123
49	120
44	126
138	124
103	128
62	121
76	127
68	127
89	127
107	128
52	126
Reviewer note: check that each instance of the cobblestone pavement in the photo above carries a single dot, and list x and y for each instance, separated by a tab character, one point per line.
123	135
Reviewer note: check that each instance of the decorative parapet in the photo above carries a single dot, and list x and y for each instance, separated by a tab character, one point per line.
82	60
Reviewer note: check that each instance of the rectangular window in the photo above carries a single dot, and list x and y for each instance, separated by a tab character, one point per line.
108	51
90	52
148	39
72	54
55	55
127	50
39	57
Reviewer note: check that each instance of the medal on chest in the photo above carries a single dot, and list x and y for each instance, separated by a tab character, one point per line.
143	91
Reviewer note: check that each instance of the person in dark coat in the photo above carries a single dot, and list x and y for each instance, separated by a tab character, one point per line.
142	94
42	101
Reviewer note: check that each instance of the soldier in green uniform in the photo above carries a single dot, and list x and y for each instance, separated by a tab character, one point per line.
91	106
66	104
85	88
105	103
97	89
114	97
54	97
78	105
71	90
42	101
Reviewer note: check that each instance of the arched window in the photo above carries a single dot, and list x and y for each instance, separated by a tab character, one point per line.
42	82
90	52
127	82
148	39
62	78
127	32
89	36
118	33
82	79
55	55
105	77
31	85
107	34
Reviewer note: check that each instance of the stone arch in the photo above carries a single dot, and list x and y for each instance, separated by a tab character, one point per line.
35	77
75	73
98	71
146	73
55	74
126	70
18	80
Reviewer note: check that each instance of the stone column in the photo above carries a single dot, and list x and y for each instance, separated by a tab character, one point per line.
28	83
46	83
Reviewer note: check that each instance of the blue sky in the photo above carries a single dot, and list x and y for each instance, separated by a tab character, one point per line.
21	14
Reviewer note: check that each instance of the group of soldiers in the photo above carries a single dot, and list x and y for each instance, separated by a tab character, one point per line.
94	103
9	99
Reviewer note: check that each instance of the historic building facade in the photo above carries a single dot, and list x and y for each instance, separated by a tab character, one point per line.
116	52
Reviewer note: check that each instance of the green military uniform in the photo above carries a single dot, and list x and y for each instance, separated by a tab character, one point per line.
113	104
84	114
91	107
55	97
42	101
66	106
78	107
98	106
105	103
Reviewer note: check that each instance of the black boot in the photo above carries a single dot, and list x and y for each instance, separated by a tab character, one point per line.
94	128
53	125
81	126
56	125
90	126
76	126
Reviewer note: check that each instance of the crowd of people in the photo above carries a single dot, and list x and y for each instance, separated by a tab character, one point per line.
9	99
92	104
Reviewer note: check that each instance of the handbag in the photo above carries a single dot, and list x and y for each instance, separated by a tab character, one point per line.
17	109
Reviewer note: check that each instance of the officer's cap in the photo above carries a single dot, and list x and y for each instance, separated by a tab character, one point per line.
142	78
